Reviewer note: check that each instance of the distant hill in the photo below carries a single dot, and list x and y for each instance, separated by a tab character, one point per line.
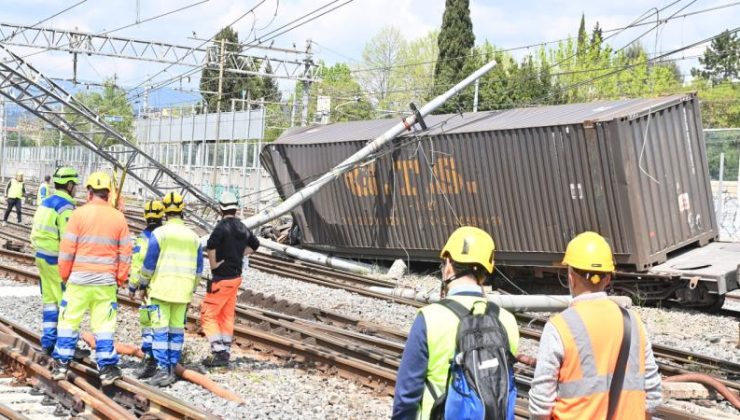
162	98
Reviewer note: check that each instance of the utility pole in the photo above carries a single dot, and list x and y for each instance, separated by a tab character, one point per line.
222	59
475	97
308	62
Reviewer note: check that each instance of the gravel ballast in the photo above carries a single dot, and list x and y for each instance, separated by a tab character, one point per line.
274	390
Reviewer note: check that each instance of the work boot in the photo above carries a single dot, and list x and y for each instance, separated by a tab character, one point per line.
48	350
109	374
217	359
60	370
81	354
148	368
164	376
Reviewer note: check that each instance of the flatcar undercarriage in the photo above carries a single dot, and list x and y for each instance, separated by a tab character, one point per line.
697	278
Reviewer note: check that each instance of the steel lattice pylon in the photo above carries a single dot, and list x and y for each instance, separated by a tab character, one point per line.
27	87
303	69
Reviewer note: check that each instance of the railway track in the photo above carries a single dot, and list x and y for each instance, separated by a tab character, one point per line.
676	361
359	350
81	393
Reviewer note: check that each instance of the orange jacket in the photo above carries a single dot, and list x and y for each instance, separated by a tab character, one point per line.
96	247
591	332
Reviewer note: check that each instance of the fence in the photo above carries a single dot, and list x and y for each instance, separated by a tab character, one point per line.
234	173
723	155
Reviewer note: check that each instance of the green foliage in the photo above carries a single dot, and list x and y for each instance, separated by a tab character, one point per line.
721	61
380	59
455	41
233	83
110	102
395	71
720	104
270	88
348	101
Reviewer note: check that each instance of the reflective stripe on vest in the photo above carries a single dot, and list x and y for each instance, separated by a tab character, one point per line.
16	189
441	329
591	332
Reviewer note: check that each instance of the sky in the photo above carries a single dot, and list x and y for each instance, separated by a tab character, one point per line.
340	35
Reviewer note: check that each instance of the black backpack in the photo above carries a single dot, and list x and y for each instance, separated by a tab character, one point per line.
478	379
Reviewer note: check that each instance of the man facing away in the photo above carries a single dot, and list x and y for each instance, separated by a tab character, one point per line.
14	192
172	269
467	259
94	259
49	224
153	214
579	348
44	190
227	245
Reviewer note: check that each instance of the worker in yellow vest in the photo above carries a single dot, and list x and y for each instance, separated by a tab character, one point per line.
14	193
44	190
467	259
595	360
172	269
49	225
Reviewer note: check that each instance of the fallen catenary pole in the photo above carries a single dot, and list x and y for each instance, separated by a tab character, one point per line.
513	303
316	257
348	164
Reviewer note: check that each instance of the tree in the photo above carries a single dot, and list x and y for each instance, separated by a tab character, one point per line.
380	60
270	88
721	61
348	101
112	105
455	42
582	46
233	83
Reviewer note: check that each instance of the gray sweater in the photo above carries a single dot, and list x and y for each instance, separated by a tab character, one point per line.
544	389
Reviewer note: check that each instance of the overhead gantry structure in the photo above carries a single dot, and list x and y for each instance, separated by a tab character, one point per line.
22	84
300	68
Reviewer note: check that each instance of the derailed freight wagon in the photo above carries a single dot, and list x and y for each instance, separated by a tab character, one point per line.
633	170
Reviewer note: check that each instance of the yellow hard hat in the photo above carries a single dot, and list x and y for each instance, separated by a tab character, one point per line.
153	209
470	245
99	181
173	203
590	252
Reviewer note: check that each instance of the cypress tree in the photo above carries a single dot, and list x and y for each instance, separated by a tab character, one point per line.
455	41
582	39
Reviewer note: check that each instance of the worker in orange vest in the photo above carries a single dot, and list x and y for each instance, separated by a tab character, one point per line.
94	259
595	360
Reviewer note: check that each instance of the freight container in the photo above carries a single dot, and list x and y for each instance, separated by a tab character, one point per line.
633	170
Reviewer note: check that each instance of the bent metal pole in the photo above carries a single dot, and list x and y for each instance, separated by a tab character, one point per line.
348	164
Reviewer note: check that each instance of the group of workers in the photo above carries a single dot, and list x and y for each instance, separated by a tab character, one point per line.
84	254
594	361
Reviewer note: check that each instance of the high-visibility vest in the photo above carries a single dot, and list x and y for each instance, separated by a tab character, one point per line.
43	193
16	189
49	224
591	332
175	275
137	259
441	341
96	247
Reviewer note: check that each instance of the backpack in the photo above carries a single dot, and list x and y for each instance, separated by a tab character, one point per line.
478	378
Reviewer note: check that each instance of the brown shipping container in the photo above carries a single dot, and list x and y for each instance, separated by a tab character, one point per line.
633	170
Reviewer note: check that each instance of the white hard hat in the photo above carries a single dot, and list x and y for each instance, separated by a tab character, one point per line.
228	201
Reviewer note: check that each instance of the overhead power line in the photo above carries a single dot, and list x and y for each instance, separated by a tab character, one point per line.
541	44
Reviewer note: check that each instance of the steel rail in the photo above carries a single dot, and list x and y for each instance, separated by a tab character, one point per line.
129	393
